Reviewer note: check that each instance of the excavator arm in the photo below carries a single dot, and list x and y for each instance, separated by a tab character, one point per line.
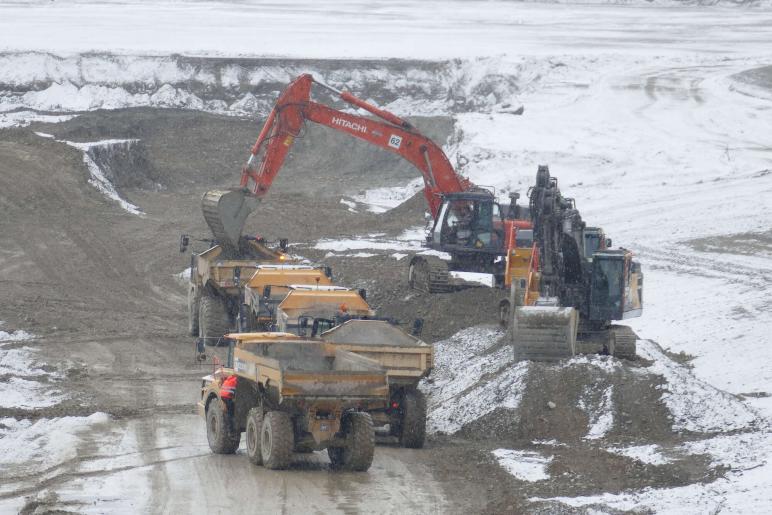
394	134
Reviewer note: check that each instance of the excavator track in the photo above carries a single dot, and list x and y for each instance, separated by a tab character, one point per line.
624	340
542	333
429	274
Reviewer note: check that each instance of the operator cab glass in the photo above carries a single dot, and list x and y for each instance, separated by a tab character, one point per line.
607	291
592	242
524	238
471	223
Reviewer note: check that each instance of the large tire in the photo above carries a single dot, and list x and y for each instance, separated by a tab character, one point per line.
412	427
253	435
277	440
194	301
213	320
247	322
357	453
221	439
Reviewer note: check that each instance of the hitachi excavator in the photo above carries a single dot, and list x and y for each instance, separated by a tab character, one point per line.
469	223
522	247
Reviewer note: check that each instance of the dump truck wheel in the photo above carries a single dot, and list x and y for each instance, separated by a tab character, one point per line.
194	301
413	421
221	439
249	320
213	320
357	453
277	440
254	427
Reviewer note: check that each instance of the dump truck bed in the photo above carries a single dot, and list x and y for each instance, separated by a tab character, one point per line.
299	368
405	358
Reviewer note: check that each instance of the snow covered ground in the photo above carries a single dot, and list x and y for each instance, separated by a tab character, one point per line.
353	29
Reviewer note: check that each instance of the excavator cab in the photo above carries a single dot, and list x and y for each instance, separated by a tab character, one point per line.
616	288
469	222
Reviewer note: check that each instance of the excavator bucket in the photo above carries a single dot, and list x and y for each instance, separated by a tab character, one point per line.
226	211
544	333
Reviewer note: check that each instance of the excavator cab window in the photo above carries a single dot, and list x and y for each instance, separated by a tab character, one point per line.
606	294
470	223
524	238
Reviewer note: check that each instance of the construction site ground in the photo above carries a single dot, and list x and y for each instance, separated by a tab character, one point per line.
98	288
664	144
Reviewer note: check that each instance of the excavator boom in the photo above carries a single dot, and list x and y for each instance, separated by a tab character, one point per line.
226	210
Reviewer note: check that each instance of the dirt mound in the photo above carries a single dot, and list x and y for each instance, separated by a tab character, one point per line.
581	401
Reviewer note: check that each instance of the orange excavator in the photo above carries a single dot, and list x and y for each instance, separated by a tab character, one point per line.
564	281
469	224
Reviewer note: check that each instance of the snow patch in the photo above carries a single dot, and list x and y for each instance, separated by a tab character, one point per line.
475	277
468	383
745	488
350	205
184	276
601	414
365	244
21	393
44	442
380	200
649	454
20	362
15	336
695	405
524	465
24	118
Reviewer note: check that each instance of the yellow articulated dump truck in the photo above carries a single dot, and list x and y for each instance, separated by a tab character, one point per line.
405	359
294	394
311	310
268	286
216	283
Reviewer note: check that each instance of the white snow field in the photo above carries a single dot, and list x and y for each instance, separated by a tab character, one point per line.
644	113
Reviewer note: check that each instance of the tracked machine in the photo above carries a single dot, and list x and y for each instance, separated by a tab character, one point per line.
576	285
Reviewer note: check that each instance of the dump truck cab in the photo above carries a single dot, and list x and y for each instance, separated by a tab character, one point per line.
269	285
310	310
